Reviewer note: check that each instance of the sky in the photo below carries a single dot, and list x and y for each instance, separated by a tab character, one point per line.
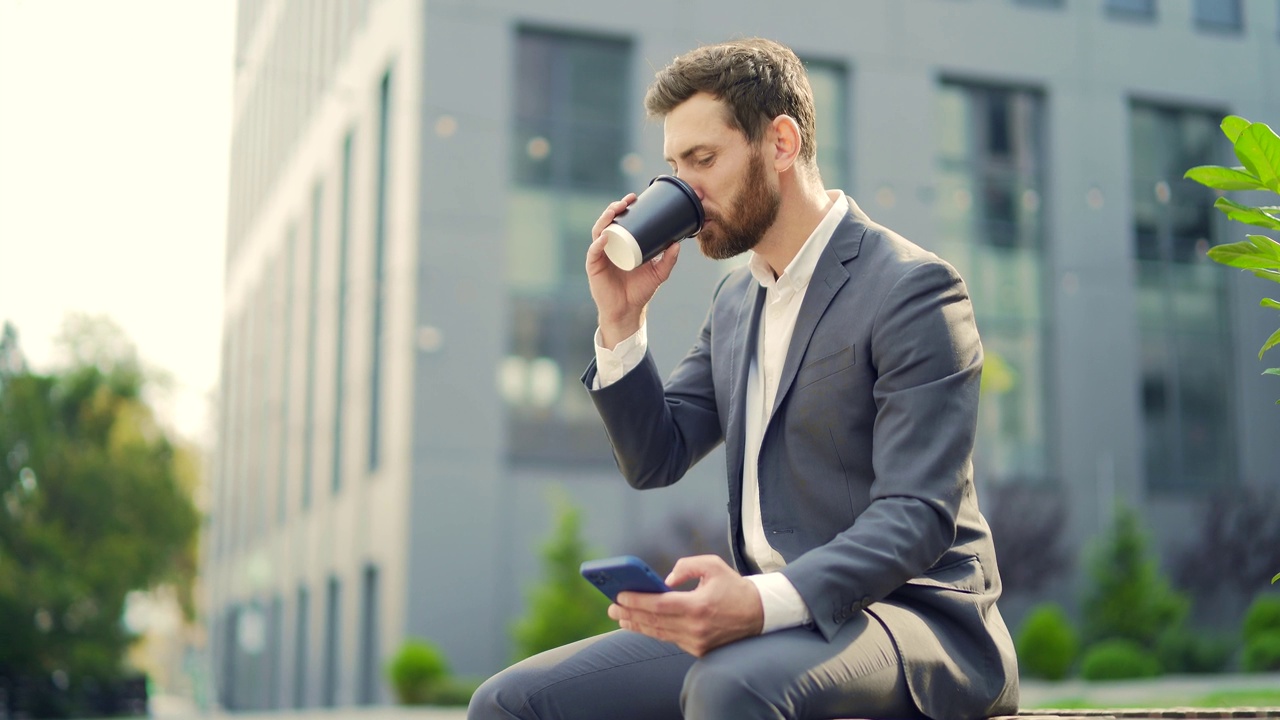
114	146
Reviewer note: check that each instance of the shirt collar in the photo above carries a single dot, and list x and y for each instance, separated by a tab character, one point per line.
797	275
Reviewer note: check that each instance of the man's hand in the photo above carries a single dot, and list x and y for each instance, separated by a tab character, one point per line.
621	296
724	607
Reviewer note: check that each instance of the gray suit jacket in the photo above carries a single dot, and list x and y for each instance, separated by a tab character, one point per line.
866	480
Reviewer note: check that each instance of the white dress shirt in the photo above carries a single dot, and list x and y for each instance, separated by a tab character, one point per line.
783	606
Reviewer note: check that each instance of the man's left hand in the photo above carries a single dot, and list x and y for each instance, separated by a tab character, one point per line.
724	607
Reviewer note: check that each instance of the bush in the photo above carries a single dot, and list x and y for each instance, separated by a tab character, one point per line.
1047	644
1262	652
1129	598
563	608
419	673
1180	650
1118	660
1263	616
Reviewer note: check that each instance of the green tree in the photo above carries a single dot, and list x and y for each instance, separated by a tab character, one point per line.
564	607
95	502
1129	598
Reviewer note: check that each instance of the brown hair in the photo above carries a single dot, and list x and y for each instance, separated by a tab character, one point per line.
756	79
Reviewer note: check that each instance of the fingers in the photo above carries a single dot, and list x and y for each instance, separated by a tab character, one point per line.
611	211
666	262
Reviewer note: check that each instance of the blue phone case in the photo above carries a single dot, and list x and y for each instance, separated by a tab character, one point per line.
624	572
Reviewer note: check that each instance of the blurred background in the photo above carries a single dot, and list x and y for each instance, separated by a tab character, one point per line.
294	318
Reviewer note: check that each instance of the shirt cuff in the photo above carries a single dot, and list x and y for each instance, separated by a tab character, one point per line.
783	606
612	365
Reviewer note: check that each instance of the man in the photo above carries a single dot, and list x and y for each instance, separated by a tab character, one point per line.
840	368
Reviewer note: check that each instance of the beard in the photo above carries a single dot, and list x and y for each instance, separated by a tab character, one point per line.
752	211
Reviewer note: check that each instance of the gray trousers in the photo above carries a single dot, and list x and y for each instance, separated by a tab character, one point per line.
623	675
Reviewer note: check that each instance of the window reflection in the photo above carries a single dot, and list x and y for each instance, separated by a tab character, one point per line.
1185	338
990	212
569	152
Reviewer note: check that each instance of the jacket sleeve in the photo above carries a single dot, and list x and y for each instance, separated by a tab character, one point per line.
658	432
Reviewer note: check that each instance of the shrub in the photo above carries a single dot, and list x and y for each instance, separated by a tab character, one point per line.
563	608
1047	644
419	673
1263	616
1180	650
1262	652
1129	598
1118	660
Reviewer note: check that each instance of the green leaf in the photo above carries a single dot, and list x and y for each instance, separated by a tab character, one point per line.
1246	214
1271	371
1248	255
1265	245
1258	148
1268	302
1224	178
1271	342
1272	275
1233	125
1277	577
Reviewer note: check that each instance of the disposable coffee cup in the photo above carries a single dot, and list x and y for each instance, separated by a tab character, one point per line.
667	212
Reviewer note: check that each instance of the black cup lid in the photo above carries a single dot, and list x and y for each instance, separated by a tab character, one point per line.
689	191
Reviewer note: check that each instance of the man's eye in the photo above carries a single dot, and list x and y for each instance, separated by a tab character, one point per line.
706	161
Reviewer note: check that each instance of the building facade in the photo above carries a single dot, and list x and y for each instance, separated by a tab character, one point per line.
413	184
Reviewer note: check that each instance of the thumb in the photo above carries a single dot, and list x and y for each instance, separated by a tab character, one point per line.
698	567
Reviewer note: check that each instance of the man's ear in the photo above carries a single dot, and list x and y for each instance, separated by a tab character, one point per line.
786	142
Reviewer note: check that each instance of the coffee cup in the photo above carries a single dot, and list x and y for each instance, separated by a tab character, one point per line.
667	212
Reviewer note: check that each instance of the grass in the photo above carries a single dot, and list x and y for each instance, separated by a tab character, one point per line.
1219	699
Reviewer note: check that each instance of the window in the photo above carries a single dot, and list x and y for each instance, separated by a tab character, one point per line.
332	641
379	269
313	310
830	98
991	212
369	639
300	650
1186	360
339	379
286	374
1137	9
569	147
1219	15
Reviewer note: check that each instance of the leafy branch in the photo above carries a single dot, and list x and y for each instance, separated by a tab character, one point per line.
1257	147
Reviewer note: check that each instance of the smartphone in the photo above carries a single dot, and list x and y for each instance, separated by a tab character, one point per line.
624	572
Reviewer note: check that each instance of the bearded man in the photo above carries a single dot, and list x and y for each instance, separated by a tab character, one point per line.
840	370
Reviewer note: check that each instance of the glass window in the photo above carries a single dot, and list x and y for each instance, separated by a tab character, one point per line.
379	270
1219	15
369	638
1185	351
300	649
332	642
570	137
313	319
830	98
1132	8
339	374
991	215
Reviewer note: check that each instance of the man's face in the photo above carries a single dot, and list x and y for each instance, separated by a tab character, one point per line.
727	172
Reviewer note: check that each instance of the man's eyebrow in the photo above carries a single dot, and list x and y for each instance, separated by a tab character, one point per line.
691	151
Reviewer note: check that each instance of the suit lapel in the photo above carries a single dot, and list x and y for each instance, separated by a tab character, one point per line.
744	348
828	277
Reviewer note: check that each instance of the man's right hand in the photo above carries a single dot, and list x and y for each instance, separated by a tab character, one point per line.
621	296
